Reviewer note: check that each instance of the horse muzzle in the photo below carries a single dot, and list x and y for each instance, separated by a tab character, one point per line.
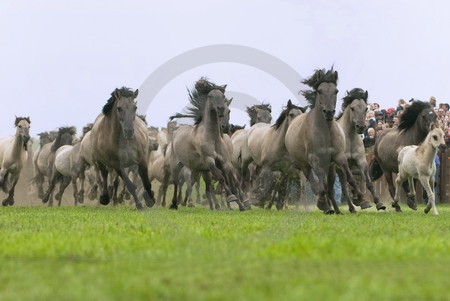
128	134
26	138
328	114
359	128
442	148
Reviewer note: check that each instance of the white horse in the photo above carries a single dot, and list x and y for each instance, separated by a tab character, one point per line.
417	162
13	155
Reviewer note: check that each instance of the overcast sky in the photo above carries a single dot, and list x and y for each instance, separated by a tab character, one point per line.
60	60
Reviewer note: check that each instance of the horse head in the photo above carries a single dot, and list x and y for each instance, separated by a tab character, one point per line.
324	96
263	113
23	128
426	119
356	102
437	138
216	102
126	110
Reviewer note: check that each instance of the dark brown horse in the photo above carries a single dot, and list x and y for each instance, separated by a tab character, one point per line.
120	140
414	126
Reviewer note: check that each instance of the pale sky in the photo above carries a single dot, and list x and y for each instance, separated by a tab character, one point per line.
60	60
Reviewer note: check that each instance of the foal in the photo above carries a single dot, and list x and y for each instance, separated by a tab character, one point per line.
417	162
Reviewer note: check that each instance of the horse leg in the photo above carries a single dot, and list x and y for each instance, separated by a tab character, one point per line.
316	176
188	198
10	199
39	180
62	186
330	191
104	197
175	175
428	185
390	182
209	188
365	171
411	198
130	186
398	181
148	195
56	177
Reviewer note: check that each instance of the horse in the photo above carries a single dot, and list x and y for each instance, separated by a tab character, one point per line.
417	162
120	140
316	142
354	109
241	157
268	151
414	125
203	147
43	165
13	155
68	167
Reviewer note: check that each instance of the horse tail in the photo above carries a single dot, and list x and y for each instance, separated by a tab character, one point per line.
240	157
375	170
3	185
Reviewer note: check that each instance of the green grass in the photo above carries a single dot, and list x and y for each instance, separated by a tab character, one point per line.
116	253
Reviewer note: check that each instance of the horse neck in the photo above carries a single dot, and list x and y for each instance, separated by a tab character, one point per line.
415	135
428	151
18	145
112	123
211	121
347	123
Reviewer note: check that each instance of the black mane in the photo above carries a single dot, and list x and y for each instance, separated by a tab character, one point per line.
18	119
197	98
61	131
124	91
356	93
285	113
251	111
409	115
320	76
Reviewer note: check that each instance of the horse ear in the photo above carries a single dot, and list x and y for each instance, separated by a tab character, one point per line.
117	94
433	125
136	93
289	104
230	100
303	109
336	75
346	91
366	95
224	87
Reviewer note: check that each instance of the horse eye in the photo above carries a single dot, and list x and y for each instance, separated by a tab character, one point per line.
352	109
119	109
20	126
336	92
435	137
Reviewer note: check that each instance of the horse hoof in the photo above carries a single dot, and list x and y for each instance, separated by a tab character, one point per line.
381	206
11	202
323	206
353	211
58	197
329	211
218	208
365	205
149	201
192	206
231	198
80	199
45	200
426	210
411	204
5	202
104	199
173	207
139	206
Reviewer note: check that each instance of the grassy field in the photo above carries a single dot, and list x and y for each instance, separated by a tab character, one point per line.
116	253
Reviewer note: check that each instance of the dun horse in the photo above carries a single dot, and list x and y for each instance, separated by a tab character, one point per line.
352	119
120	140
414	126
203	147
315	141
13	155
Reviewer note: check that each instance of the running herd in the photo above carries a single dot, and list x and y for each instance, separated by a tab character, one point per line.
252	166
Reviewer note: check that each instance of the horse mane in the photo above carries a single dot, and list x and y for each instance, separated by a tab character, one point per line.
197	98
86	129
285	112
319	77
61	131
251	111
409	115
44	135
18	119
355	93
143	118
124	91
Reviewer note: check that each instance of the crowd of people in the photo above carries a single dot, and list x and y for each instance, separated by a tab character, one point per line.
378	119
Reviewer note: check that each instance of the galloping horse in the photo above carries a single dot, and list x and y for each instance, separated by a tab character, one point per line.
315	141
268	150
354	109
43	164
203	147
13	155
414	126
120	140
